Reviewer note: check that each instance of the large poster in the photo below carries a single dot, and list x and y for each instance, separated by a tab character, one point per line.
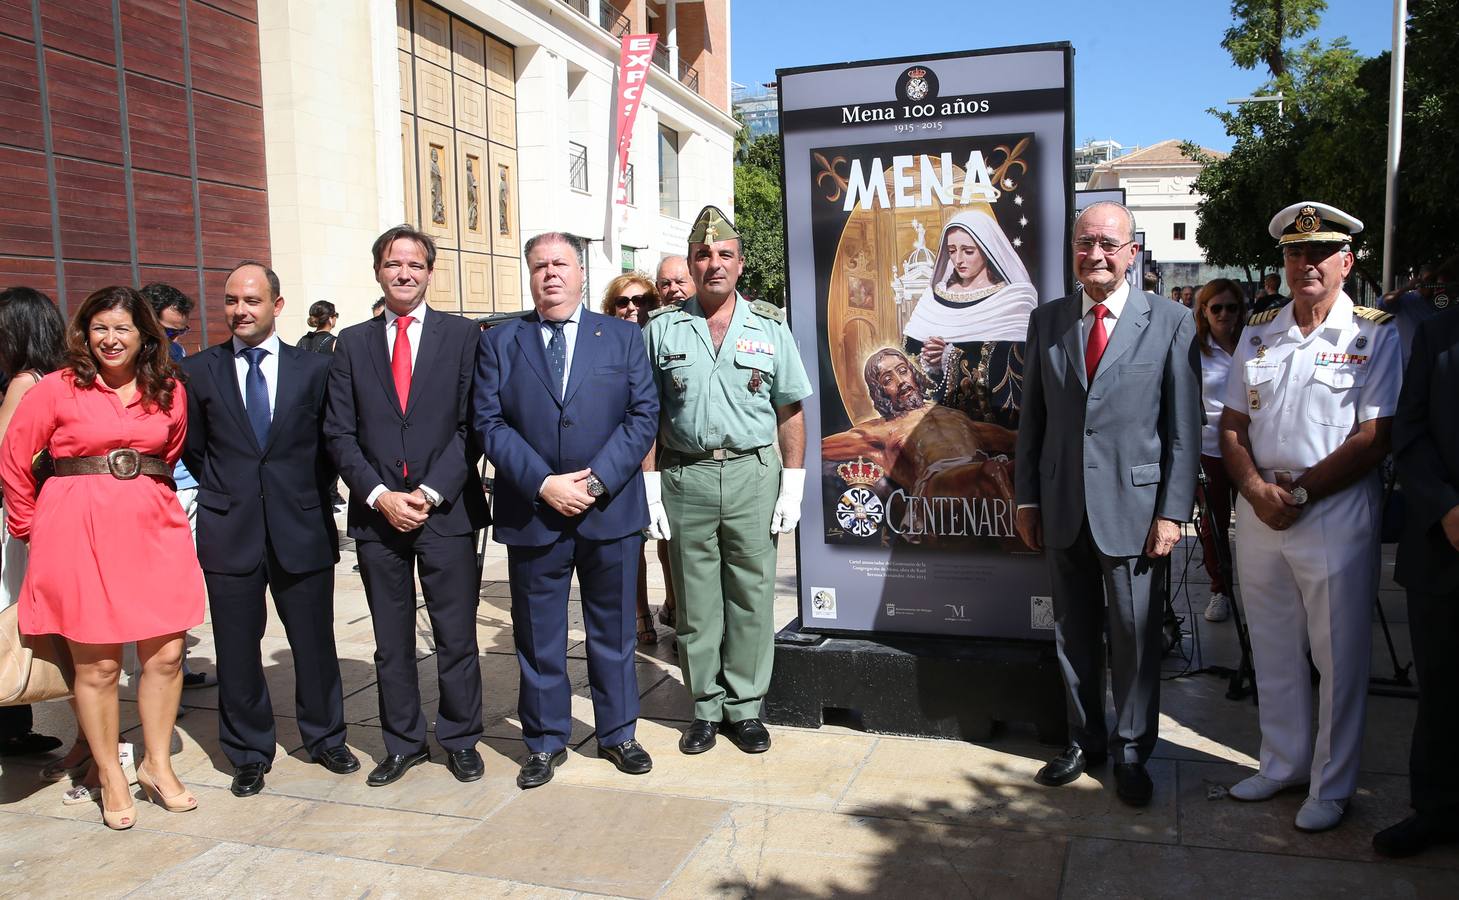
928	207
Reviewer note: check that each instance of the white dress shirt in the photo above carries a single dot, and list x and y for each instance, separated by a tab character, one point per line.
269	366
413	331
1215	366
570	334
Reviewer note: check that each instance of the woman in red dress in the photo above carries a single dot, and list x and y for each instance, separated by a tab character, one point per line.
111	556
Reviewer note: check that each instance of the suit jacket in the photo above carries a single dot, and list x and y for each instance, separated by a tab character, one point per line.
1123	449
1426	448
605	421
372	442
246	492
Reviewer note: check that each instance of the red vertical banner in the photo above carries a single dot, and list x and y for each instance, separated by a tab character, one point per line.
634	58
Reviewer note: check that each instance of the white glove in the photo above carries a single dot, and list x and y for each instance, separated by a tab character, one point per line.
658	518
787	505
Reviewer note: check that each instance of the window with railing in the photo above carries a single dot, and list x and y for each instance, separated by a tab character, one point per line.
612	19
687	74
628	184
577	166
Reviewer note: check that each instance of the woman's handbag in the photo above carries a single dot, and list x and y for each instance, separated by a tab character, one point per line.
33	667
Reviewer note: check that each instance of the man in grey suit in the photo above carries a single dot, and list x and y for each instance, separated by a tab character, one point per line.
1426	448
1108	444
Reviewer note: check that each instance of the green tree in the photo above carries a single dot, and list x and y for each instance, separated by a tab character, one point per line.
759	219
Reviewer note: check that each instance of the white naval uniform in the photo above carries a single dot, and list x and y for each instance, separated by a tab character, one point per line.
1312	585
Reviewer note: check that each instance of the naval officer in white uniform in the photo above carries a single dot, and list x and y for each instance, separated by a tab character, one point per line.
1308	408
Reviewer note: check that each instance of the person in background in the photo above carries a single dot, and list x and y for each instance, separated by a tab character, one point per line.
1188	296
1220	313
32	343
1270	297
1431	292
105	529
377	307
1152	283
322	318
1175	293
174	310
632	296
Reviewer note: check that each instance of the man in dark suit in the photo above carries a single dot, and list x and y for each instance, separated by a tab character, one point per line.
566	409
256	446
1426	447
1108	445
399	430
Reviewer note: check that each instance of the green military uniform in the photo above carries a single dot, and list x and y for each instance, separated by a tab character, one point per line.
721	477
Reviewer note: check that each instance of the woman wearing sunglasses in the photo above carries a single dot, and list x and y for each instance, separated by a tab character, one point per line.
1220	312
632	296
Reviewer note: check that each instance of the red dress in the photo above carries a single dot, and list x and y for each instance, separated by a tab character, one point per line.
111	561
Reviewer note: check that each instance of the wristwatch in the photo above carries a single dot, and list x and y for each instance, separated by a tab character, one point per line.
596	486
1299	494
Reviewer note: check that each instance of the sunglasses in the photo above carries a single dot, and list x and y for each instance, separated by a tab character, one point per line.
1224	307
636	300
175	333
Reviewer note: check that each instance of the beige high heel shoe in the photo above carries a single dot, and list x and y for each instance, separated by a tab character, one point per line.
179	802
119	819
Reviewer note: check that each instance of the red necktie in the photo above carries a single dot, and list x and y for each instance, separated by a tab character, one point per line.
1098	340
400	359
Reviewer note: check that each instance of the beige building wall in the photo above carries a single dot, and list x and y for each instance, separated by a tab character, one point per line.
320	137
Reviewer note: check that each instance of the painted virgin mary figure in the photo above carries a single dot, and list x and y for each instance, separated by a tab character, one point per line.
969	327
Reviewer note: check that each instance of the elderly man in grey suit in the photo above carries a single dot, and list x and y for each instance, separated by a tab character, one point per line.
1108	445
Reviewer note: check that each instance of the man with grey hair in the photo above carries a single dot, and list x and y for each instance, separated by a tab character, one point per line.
673	281
1108	445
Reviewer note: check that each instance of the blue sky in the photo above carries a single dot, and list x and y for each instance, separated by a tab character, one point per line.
1144	70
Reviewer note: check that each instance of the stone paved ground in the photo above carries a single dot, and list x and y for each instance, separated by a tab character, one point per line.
828	812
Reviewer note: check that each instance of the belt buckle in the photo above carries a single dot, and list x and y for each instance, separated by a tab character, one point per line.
124	463
719	455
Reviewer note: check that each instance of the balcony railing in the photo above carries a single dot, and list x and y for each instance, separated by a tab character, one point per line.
687	74
577	166
610	18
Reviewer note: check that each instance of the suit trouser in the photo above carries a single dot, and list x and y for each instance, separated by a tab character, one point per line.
540	580
1312	586
1433	623
305	603
722	562
449	579
1087	582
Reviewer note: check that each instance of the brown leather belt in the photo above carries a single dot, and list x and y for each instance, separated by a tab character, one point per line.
123	464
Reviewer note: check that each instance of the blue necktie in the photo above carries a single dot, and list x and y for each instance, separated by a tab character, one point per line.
255	394
557	353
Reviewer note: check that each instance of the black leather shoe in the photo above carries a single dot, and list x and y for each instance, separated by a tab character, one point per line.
394	766
537	768
466	764
749	735
1133	784
698	737
338	760
29	744
248	779
1068	766
629	757
1416	834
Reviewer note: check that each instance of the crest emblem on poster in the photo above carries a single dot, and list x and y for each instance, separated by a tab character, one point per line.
859	511
917	84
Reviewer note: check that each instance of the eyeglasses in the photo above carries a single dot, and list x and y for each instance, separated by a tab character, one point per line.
637	300
1084	245
1218	308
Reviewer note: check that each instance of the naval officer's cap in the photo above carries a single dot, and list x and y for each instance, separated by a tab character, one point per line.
1312	222
712	226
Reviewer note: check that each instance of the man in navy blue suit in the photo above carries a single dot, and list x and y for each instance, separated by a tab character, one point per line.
255	442
566	410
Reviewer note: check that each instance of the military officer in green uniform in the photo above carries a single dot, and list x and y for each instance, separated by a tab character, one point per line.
730	384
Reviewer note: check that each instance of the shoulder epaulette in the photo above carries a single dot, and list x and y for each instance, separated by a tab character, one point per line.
1373	314
768	310
655	313
1262	318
